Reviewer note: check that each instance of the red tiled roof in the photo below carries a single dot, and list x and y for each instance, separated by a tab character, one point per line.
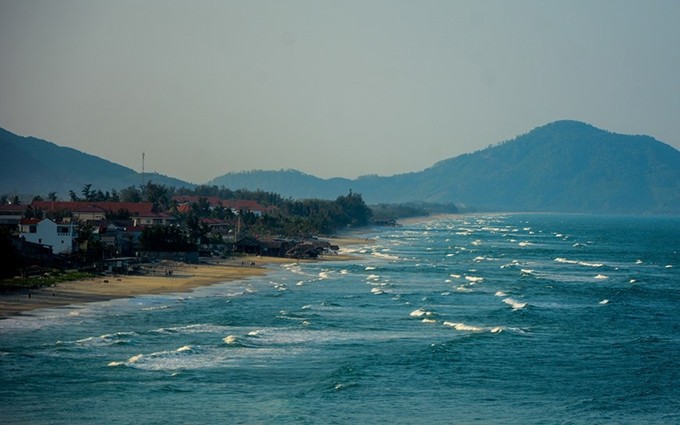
214	201
30	220
242	204
12	208
133	207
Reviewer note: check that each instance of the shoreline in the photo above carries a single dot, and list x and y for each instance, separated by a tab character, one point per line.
184	278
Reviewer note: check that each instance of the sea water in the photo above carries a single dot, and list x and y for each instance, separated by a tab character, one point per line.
475	319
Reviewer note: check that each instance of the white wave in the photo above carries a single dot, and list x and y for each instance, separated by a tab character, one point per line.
474	279
420	313
463	288
386	256
370	268
464	327
516	305
377	291
324	275
426	320
184	348
230	339
344	271
633	281
668	266
372	277
527	271
580	263
160	307
455	276
638	261
601	277
500	294
525	243
497	329
135	359
603	302
106	339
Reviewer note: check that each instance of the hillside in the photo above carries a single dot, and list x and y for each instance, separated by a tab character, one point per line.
33	166
564	166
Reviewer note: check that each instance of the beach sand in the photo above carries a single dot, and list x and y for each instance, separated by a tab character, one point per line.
184	277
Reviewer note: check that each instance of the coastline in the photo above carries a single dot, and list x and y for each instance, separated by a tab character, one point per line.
184	278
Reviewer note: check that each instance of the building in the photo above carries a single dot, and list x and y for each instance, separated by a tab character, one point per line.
152	218
61	237
11	214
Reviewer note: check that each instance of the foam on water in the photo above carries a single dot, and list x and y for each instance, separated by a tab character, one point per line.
580	263
464	327
511	349
516	305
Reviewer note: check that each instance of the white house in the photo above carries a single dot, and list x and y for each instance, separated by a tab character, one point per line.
60	236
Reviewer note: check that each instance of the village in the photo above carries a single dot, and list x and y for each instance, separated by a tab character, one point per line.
116	237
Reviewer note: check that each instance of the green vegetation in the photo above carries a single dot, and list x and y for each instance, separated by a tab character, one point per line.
46	278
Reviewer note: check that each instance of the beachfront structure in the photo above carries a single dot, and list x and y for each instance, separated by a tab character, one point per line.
11	214
61	237
92	211
152	218
235	205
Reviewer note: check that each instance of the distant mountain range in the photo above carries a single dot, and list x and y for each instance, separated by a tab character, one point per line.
33	166
564	166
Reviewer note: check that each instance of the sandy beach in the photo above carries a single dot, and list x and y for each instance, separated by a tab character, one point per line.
184	277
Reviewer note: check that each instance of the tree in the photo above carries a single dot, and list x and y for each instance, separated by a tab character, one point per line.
87	194
164	238
52	196
356	211
130	194
158	195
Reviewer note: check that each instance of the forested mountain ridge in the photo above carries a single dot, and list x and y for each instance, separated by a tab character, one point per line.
564	166
35	166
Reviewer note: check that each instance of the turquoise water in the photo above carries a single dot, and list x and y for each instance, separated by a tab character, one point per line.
480	319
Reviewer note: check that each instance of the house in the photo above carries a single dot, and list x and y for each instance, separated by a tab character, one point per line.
89	213
216	225
235	205
92	210
11	214
152	218
61	237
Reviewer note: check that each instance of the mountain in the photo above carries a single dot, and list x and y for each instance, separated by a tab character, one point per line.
564	166
289	183
36	167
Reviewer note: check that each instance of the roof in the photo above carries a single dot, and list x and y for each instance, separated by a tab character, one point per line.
213	221
157	215
12	208
133	207
214	201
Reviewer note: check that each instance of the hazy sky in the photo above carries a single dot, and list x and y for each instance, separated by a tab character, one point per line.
332	88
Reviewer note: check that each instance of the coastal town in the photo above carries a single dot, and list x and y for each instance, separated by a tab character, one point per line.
117	233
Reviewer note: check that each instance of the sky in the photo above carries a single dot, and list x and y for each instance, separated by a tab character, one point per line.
330	88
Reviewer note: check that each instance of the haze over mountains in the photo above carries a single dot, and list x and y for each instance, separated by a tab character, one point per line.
564	166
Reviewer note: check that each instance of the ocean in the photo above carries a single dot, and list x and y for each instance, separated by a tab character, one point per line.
490	319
